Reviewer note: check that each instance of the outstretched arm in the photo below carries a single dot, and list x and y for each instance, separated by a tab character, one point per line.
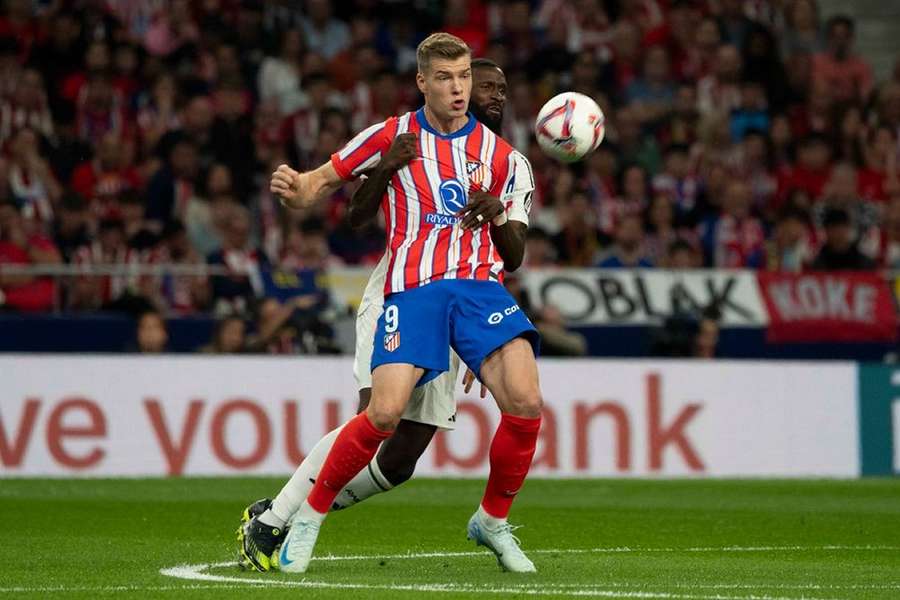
303	190
365	202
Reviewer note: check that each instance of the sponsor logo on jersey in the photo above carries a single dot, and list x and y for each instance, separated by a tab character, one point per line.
392	341
453	195
441	220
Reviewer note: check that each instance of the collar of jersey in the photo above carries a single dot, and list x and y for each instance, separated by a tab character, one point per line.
463	131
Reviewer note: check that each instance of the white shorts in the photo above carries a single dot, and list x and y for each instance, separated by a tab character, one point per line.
433	403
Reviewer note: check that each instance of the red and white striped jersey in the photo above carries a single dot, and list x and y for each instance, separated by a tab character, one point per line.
425	242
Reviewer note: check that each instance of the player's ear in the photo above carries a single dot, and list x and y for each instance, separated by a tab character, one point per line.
420	81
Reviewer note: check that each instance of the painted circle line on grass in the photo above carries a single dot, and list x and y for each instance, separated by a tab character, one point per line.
200	573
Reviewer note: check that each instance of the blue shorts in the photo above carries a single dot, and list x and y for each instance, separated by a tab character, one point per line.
473	317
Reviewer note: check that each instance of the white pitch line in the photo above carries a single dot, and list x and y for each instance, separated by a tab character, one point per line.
614	550
197	573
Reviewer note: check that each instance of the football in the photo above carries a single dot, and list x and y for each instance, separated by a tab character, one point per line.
569	126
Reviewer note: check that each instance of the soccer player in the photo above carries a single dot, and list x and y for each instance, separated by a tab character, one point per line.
432	405
442	288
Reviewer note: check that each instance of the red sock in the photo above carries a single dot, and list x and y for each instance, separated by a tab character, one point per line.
511	452
354	447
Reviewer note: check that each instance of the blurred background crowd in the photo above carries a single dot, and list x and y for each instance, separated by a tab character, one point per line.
739	134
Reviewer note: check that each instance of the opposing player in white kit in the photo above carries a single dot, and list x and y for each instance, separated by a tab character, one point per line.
432	405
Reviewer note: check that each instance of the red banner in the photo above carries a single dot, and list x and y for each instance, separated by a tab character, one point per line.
828	307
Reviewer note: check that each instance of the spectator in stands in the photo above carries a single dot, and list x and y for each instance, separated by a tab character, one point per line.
634	145
812	171
659	222
556	338
682	255
27	107
234	293
322	31
754	165
734	238
157	114
633	186
281	327
171	29
280	76
842	191
68	150
845	73
170	190
229	337
151	335
110	248
108	174
100	109
678	181
707	338
578	243
840	251
70	230
306	247
180	294
888	104
539	251
21	243
752	113
30	177
628	250
789	250
762	64
802	33
129	207
720	90
886	248
688	334
653	94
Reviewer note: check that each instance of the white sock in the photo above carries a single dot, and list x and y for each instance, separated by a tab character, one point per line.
295	491
490	521
367	483
308	513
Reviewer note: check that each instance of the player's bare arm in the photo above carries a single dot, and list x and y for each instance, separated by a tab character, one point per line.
509	236
366	201
303	190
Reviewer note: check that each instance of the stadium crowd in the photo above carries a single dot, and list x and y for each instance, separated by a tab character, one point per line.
738	134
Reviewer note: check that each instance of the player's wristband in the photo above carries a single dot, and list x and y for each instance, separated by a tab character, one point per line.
500	219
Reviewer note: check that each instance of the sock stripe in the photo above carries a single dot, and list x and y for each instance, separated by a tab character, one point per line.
375	478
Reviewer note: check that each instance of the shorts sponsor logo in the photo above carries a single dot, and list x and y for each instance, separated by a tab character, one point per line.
441	220
496	317
392	341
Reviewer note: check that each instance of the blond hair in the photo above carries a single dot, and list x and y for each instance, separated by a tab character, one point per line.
440	45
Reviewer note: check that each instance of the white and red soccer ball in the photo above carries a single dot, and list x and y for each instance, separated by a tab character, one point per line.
569	126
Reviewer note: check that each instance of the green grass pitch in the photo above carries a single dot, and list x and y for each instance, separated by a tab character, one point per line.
602	539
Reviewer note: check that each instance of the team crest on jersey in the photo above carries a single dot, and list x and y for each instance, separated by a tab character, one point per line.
392	341
476	171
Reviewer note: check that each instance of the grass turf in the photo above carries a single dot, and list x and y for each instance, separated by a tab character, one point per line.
674	539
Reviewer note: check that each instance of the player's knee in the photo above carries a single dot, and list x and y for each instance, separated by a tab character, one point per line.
384	419
527	404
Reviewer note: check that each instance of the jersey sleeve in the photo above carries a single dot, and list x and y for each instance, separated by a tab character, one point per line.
364	150
520	189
